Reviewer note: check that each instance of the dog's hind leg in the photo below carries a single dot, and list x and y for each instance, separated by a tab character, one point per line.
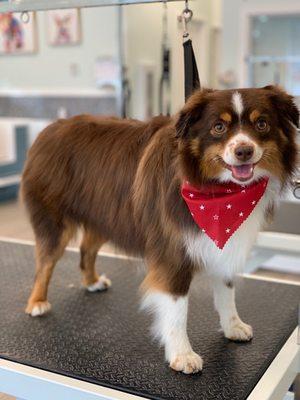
47	255
89	248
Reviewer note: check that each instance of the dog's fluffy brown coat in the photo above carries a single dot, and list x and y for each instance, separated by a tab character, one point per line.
120	180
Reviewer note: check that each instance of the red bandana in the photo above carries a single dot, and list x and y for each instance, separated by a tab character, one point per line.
220	209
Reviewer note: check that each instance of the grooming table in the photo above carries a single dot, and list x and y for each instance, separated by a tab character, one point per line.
97	345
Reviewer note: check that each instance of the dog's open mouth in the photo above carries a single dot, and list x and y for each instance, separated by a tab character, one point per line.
242	172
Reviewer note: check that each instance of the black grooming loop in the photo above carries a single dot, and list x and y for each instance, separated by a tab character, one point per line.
191	75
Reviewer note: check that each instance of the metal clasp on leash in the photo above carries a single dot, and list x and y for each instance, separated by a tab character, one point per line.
185	18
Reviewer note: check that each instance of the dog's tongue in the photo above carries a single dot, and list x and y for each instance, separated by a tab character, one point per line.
242	172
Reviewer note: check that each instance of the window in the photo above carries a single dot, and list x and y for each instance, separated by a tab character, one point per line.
275	51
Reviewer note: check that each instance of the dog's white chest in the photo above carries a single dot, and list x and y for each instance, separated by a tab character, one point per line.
231	259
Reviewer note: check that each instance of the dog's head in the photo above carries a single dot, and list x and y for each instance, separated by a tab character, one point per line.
238	135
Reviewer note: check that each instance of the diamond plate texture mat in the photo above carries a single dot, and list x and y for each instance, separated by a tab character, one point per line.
103	337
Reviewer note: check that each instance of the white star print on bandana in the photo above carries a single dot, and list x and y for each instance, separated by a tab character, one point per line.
219	210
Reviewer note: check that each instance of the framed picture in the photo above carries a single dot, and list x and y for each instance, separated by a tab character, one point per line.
16	36
63	27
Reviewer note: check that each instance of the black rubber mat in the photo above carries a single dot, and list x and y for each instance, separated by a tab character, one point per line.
103	338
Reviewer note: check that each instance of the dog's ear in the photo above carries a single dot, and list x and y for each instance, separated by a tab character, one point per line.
284	104
191	112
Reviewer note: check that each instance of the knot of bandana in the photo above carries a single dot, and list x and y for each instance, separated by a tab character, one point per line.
220	209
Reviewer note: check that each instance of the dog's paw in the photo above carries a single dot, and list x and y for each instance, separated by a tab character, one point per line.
239	331
38	308
188	363
103	283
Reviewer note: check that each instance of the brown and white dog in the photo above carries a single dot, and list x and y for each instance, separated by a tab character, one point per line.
120	181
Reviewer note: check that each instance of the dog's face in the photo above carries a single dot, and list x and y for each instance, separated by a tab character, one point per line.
238	135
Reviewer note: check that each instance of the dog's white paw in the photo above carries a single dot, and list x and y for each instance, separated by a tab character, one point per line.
103	283
38	308
239	331
188	363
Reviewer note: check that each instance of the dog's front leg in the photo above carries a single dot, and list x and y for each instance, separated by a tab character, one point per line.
169	327
166	289
224	298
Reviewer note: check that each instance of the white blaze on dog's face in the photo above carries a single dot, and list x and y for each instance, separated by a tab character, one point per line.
238	135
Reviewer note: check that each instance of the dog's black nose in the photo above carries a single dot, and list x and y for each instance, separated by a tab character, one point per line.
244	152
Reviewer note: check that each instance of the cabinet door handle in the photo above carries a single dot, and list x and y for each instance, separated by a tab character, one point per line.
296	189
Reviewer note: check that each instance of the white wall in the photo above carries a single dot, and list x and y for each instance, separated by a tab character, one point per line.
143	42
51	66
232	28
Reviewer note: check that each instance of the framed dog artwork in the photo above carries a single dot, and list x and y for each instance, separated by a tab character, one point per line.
63	27
16	35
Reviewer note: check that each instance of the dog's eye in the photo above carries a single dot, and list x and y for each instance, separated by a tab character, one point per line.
219	128
261	125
